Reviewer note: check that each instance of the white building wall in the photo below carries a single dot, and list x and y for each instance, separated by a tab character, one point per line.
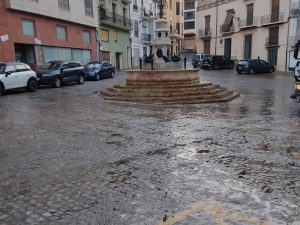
259	34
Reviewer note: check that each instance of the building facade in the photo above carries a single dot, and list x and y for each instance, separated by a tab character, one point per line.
142	16
174	15
35	32
190	25
241	29
114	35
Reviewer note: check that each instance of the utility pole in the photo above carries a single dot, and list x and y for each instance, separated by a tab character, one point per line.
217	12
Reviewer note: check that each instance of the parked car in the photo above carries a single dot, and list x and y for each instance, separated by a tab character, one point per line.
17	75
217	62
99	70
57	72
254	66
197	59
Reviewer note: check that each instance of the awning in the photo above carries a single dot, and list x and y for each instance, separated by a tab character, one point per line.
229	17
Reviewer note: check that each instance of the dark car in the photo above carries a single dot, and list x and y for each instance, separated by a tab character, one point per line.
57	72
99	70
198	58
217	62
254	66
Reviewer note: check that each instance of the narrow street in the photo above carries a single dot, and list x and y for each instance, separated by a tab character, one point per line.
69	157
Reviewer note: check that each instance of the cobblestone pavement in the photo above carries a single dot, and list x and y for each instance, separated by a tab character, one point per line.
68	157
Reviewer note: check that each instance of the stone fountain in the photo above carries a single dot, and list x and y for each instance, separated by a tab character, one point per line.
163	81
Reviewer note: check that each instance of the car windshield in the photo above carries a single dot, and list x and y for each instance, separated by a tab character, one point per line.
2	68
54	65
93	65
244	63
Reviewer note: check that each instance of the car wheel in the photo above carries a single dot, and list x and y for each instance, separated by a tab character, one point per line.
97	77
271	70
231	66
251	71
57	82
81	79
1	90
194	66
32	85
112	74
239	72
215	67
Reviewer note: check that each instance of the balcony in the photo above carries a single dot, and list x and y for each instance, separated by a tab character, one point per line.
116	20
144	14
205	33
248	23
146	37
271	19
295	8
272	41
126	2
226	29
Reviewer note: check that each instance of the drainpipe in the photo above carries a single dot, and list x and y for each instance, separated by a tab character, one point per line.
217	12
287	41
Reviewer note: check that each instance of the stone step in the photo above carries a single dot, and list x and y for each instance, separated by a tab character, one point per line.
161	83
162	99
161	93
161	87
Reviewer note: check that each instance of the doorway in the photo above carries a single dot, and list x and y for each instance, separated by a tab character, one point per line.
248	47
207	46
227	48
25	53
118	60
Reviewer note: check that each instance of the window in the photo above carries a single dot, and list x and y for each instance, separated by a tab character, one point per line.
189	5
178	28
170	4
88	5
86	37
136	29
20	68
28	27
10	68
189	25
177	8
189	15
104	35
61	33
115	36
63	4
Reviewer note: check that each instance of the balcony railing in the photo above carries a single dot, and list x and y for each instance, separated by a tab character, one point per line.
226	28
204	33
295	8
272	41
113	18
146	37
126	1
272	18
249	22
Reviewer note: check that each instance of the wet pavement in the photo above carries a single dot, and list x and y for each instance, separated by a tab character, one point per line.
69	157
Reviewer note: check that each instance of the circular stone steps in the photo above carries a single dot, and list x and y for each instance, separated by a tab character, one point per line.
167	87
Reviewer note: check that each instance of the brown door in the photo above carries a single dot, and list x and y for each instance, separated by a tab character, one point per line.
207	25
275	11
207	47
250	14
118	61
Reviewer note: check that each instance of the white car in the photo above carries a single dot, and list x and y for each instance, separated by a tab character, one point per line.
17	75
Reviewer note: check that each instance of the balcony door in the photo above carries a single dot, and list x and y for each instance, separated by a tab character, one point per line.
275	11
250	8
207	24
114	12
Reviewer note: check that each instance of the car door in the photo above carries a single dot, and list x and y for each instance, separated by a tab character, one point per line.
22	75
265	66
65	72
105	69
10	79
